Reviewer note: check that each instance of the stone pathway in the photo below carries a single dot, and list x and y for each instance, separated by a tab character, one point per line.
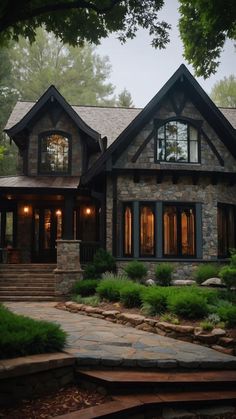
95	341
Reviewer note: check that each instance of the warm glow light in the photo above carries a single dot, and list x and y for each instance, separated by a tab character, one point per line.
9	197
26	210
58	212
88	211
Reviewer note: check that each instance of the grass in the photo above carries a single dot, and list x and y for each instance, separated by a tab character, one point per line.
21	336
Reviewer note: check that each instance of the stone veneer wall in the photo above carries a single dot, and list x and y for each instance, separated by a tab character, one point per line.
68	269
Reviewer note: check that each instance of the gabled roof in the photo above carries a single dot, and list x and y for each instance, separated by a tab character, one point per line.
22	182
201	100
50	95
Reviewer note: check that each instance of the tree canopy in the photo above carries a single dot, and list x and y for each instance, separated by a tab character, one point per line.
204	27
224	92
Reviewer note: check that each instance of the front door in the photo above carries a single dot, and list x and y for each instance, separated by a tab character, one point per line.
47	228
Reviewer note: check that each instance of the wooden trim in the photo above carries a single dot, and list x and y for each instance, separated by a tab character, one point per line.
114	215
213	148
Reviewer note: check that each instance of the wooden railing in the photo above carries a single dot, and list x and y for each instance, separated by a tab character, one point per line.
88	250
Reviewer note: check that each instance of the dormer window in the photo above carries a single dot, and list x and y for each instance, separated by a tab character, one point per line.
54	153
177	142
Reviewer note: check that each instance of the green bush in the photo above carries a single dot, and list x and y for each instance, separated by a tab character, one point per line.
86	287
103	261
227	313
204	272
21	336
163	273
206	326
130	295
136	270
187	305
109	289
93	300
155	299
228	276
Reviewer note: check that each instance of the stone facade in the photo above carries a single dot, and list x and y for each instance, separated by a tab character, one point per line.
68	269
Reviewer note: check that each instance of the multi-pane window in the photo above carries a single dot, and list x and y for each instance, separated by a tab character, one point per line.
179	230
128	229
7	228
226	218
54	154
177	142
147	230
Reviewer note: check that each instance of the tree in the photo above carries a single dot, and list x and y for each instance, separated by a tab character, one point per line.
125	99
204	27
76	21
224	92
79	73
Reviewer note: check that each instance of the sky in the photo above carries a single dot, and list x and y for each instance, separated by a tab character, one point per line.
143	70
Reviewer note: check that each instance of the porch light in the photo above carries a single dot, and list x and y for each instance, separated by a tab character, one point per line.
88	211
26	210
58	213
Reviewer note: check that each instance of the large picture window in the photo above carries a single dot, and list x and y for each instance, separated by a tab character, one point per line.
226	218
179	230
128	230
177	142
54	154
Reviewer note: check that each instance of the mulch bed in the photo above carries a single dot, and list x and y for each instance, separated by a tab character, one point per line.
65	400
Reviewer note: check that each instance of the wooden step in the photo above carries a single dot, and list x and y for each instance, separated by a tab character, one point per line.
28	298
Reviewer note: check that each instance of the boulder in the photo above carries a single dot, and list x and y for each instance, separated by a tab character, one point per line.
175	328
150	282
183	282
133	319
212	282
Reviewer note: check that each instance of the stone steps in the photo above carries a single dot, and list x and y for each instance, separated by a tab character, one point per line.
32	282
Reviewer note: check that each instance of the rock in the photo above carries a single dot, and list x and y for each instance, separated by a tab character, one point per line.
146	327
183	282
212	282
225	341
111	313
92	310
176	328
218	332
151	322
228	351
133	319
150	282
203	337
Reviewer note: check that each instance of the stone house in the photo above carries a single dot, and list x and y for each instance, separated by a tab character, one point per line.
157	184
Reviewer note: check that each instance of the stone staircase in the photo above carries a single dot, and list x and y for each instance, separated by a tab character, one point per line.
153	394
27	282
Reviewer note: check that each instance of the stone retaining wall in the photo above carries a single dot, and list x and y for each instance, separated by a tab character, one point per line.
216	339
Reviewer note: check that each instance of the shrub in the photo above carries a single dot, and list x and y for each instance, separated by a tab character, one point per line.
170	318
213	318
85	287
109	289
204	272
93	300
22	336
136	270
163	273
187	305
154	300
206	326
227	313
103	261
228	276
130	295
117	277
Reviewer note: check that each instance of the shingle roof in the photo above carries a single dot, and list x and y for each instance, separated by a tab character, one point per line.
230	114
109	122
57	182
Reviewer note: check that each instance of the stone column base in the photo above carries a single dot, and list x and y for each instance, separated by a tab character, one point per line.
65	279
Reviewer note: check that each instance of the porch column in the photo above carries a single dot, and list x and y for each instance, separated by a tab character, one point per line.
68	231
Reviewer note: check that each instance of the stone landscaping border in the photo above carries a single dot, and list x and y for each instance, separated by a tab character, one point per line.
216	339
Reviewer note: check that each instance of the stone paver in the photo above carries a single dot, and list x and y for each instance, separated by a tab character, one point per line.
95	341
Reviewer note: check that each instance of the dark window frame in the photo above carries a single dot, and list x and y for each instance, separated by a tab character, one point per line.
189	122
3	211
41	136
179	206
226	208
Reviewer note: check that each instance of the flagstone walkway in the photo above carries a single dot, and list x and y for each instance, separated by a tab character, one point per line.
95	341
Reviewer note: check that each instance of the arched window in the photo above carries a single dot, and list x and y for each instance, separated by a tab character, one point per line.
177	141
54	152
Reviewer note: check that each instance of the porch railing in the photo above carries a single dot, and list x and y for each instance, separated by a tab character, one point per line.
88	250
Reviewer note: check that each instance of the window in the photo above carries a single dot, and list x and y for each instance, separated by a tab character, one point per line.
147	230
128	230
177	142
226	219
179	230
7	228
54	152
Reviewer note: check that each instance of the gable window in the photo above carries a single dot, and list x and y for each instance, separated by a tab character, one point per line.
177	141
226	218
54	153
179	230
